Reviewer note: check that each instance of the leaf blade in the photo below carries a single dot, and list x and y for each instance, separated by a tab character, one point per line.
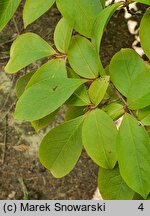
34	9
80	14
83	58
61	147
100	142
125	66
26	49
140	85
144	33
54	68
112	186
45	97
62	35
133	149
7	10
98	89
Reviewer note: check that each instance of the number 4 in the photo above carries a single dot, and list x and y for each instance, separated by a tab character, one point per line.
141	207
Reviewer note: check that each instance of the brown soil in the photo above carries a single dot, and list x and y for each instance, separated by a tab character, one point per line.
21	174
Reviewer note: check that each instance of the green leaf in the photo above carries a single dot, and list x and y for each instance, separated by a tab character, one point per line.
144	33
133	151
147	2
62	35
112	186
144	115
45	97
74	112
22	83
139	92
99	138
98	89
34	9
60	149
26	49
100	23
125	66
114	110
55	68
7	10
80	14
80	97
83	58
44	122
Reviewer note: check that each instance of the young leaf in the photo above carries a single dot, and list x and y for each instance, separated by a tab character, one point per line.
26	49
98	89
22	83
139	92
144	115
74	112
114	110
83	57
80	97
60	149
55	68
7	10
44	122
133	152
144	33
45	97
80	14
112	186
99	138
125	66
34	9
62	35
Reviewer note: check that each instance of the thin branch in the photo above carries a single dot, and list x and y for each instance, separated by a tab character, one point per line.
9	41
16	26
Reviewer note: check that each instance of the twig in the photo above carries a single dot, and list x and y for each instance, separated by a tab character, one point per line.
5	140
16	26
6	42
